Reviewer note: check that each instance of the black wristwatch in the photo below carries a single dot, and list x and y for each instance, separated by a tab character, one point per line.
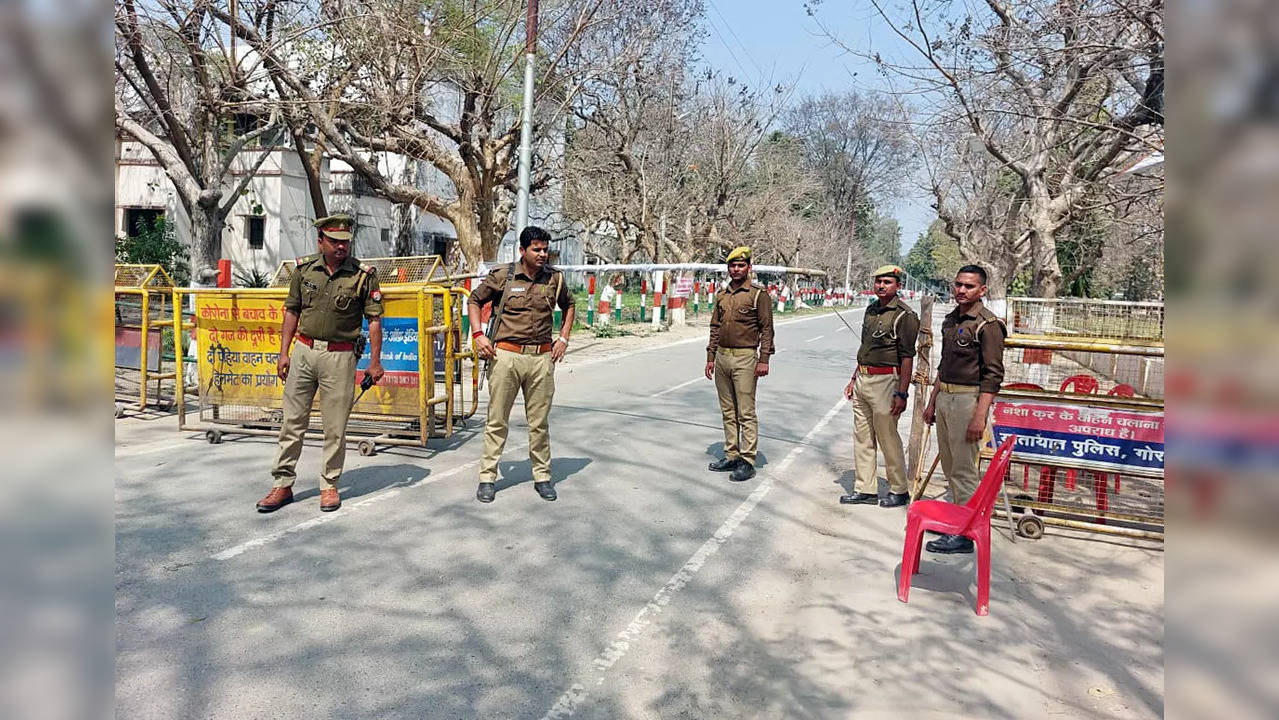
902	395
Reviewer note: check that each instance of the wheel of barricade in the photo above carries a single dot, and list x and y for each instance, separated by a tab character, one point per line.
1030	526
367	448
214	437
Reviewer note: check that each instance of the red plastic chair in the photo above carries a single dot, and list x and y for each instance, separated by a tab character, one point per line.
1083	384
1123	390
972	520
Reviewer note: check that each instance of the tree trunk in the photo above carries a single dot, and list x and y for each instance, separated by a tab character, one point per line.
206	245
404	244
1046	279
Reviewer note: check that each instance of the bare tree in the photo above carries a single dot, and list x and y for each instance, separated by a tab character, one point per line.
439	86
1063	95
181	94
859	148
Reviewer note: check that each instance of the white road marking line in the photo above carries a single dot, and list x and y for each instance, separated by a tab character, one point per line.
819	337
840	329
317	521
573	698
677	387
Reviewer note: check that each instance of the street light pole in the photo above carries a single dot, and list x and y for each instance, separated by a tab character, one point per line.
526	121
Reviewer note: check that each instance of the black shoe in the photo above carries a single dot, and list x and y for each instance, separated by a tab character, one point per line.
744	471
895	500
859	498
724	465
486	492
545	489
950	545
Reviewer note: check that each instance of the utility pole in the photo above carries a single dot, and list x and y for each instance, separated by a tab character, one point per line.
848	273
526	121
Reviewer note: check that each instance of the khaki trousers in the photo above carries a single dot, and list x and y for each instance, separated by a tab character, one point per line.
875	427
333	374
735	382
958	456
510	374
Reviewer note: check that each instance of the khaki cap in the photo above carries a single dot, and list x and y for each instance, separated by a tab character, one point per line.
337	226
890	270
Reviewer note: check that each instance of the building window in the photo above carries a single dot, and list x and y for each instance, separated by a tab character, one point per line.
255	231
140	220
386	238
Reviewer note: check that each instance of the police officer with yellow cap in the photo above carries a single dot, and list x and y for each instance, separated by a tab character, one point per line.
879	390
969	375
736	358
330	295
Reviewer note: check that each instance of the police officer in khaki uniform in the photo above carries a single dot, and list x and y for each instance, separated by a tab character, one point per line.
968	377
522	354
330	295
879	390
736	358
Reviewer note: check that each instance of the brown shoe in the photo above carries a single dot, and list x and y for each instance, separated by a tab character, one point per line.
329	500
276	499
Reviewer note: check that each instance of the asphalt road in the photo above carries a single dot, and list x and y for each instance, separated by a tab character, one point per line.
651	589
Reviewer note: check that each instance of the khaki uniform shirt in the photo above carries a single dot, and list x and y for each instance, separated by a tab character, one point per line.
888	334
743	318
528	313
967	359
332	307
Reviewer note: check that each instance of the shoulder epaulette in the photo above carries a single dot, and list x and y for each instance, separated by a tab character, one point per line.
365	267
988	317
307	259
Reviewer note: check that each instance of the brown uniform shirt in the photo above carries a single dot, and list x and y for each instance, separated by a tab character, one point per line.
888	334
332	307
528	313
967	359
743	318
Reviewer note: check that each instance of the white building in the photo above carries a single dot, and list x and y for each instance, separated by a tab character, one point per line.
271	222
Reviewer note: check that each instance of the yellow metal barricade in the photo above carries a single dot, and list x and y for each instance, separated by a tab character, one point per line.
143	296
237	340
1084	394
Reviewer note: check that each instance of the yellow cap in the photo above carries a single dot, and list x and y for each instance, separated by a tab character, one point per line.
894	270
741	252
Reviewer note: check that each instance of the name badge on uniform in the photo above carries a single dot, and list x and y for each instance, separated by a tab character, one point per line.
518	289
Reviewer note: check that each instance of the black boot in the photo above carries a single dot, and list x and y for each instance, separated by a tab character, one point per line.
859	498
486	492
895	500
724	464
950	545
743	471
545	489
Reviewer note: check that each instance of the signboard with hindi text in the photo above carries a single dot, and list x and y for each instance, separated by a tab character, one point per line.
239	344
1101	438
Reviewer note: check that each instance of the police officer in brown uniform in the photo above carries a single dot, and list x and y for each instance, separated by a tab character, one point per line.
879	390
968	377
736	358
523	355
330	295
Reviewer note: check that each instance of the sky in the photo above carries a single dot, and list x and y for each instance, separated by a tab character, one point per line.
772	41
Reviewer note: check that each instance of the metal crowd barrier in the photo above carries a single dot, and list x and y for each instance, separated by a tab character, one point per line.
143	296
1084	394
237	340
